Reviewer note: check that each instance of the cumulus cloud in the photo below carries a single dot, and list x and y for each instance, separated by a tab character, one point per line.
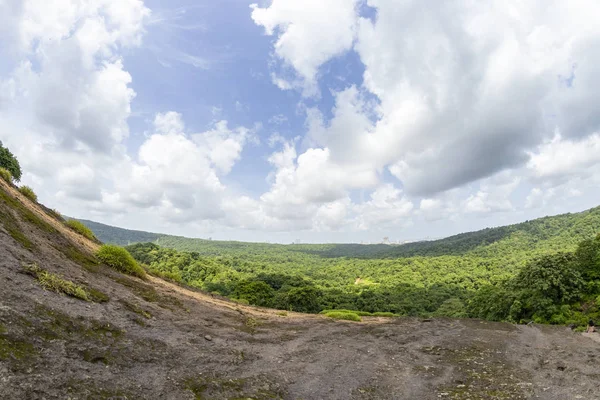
464	90
561	158
464	109
307	36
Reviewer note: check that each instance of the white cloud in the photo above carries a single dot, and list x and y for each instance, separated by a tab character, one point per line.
309	33
387	207
560	158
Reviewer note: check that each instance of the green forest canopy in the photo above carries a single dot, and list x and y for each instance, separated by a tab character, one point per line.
504	273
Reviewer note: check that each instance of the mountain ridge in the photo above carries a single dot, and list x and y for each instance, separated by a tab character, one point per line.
565	225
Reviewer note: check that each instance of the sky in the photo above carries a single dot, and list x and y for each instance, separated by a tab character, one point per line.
311	121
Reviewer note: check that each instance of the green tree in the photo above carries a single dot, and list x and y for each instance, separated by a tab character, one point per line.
588	258
547	283
304	299
257	293
10	162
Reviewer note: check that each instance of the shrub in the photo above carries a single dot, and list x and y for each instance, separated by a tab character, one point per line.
348	316
6	175
55	283
9	161
29	193
81	229
118	258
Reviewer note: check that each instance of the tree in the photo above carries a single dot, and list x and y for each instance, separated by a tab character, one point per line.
588	258
10	162
257	293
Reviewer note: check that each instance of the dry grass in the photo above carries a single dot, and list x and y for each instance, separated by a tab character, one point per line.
81	229
29	193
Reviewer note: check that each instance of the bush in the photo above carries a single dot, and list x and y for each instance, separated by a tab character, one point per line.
9	162
29	193
348	316
6	175
81	229
118	258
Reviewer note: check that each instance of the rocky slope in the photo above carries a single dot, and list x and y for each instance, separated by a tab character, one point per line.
151	339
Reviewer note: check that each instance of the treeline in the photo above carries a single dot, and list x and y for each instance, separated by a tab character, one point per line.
558	288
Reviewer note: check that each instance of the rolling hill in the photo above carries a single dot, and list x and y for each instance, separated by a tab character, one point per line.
560	232
119	336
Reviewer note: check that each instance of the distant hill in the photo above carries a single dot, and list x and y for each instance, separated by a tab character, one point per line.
558	233
120	236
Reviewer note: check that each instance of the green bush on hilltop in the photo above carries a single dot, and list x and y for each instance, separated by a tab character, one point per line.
118	258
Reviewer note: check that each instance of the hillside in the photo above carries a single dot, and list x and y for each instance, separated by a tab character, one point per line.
136	339
560	232
120	236
446	277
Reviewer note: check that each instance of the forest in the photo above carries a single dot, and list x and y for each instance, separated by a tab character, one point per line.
545	270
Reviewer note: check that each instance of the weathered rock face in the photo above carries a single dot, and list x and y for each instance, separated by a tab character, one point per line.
151	339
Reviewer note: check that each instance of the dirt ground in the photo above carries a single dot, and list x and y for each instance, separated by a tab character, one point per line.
155	340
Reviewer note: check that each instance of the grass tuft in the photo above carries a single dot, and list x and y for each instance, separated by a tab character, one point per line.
385	314
81	229
29	193
348	316
359	313
118	258
6	175
55	283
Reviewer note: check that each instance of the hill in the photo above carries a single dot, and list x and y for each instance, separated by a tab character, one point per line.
120	236
560	232
137	339
463	275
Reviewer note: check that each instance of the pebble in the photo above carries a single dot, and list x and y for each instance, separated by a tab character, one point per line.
208	337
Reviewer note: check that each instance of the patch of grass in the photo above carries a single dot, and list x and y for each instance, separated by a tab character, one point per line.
25	213
348	316
55	283
6	175
81	229
282	313
14	230
359	313
118	258
385	314
29	193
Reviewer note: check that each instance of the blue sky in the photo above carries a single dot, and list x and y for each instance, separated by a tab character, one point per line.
338	121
